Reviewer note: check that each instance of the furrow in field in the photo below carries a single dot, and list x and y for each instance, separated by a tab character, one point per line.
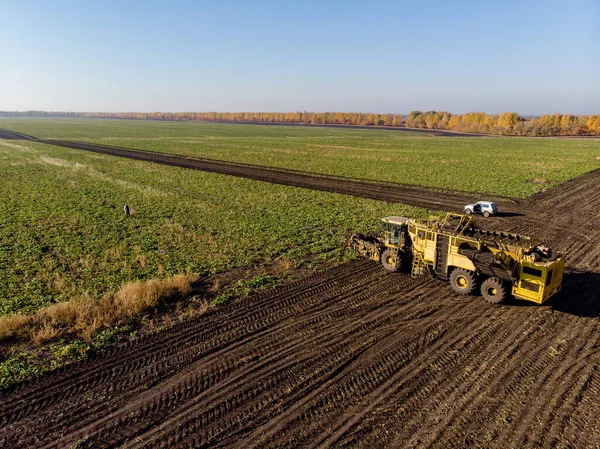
528	376
330	338
344	285
415	381
282	354
450	400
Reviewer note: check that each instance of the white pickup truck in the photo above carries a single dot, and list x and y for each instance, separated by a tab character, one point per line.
486	208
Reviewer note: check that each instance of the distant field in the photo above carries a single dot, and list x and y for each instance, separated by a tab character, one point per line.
63	233
511	166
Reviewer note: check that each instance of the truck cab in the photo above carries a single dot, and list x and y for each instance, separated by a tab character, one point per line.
394	256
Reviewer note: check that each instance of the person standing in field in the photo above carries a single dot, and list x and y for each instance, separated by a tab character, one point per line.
126	209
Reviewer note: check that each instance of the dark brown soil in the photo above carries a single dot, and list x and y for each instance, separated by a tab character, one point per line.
13	135
352	356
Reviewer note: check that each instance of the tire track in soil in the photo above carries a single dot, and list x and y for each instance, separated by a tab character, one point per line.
167	342
222	386
450	400
343	284
373	318
528	380
351	357
413	401
274	425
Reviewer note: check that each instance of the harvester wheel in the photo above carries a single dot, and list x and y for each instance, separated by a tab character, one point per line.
463	281
486	214
389	260
494	290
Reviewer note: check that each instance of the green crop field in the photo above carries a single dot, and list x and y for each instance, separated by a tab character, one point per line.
64	237
64	233
507	166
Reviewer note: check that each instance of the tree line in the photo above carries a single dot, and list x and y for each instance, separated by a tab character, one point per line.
509	123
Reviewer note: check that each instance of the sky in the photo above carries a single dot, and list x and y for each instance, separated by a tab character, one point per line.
528	56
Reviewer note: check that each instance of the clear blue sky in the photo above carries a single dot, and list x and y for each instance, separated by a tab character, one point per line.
529	56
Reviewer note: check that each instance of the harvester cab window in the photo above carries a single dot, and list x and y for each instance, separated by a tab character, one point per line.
394	232
531	286
532	271
403	233
549	278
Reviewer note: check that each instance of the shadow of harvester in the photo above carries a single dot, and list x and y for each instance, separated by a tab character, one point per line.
580	295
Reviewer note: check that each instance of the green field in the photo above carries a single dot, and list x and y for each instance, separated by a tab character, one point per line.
64	233
506	166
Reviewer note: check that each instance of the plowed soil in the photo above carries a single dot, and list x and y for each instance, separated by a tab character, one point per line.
352	357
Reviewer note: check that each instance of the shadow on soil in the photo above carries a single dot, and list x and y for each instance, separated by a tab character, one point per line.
580	295
509	214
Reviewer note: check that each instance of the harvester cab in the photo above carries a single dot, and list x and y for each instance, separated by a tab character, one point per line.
396	230
395	253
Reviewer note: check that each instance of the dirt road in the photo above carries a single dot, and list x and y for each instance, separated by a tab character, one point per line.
13	135
351	357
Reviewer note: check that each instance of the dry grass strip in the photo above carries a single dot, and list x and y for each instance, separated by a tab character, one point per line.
83	317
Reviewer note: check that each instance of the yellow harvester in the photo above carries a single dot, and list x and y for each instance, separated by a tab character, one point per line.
498	264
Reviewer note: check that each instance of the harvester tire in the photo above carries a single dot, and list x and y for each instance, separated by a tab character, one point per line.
494	290
401	263
463	281
389	260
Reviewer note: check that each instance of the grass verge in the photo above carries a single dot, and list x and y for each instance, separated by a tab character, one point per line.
85	317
